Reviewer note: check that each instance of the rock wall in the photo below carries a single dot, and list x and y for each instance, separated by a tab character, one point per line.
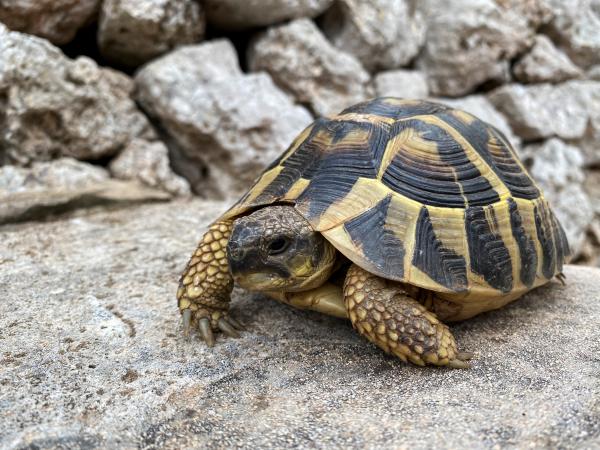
179	97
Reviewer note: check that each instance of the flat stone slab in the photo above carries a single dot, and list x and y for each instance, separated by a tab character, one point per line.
92	356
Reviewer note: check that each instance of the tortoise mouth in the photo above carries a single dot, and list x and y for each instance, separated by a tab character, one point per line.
264	281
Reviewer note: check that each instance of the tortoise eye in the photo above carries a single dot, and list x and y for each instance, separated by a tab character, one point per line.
278	245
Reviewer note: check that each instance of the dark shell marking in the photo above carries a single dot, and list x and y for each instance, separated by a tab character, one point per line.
436	165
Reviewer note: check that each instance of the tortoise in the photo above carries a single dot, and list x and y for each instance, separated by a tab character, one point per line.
398	215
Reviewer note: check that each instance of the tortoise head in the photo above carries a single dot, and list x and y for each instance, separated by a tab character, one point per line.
276	249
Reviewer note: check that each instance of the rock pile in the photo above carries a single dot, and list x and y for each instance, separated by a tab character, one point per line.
191	96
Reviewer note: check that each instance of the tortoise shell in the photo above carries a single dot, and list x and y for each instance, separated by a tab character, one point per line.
421	193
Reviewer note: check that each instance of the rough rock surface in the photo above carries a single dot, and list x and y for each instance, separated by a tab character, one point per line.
401	83
557	168
545	110
51	105
132	32
148	162
480	107
470	42
303	62
545	62
575	26
382	34
51	187
594	73
239	14
55	20
93	356
222	126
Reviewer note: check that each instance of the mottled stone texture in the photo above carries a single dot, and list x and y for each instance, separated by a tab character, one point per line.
241	14
148	162
302	61
382	34
558	170
545	62
93	356
223	126
55	20
54	106
402	84
49	188
470	42
132	32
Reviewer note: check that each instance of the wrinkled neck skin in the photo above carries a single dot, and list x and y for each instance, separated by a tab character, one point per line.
274	249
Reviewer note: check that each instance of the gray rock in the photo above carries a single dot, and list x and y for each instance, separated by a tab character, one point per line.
590	142
148	162
594	73
222	126
470	42
46	188
545	62
590	251
240	14
303	62
575	27
401	83
132	32
480	107
52	105
55	20
557	169
93	356
545	110
382	34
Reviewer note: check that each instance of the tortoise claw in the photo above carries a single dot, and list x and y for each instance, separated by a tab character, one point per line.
206	331
226	328
465	356
187	320
236	323
459	364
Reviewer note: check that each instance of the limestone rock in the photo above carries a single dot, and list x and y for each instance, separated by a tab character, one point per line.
575	27
401	83
557	168
60	185
545	62
90	332
594	73
480	107
148	162
240	14
545	110
51	105
132	32
470	42
55	20
223	127
303	62
382	34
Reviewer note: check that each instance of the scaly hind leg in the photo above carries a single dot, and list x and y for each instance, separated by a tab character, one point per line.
384	313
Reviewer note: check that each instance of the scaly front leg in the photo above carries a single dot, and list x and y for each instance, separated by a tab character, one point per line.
205	286
384	313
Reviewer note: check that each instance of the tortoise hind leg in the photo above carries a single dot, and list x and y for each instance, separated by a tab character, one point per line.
385	314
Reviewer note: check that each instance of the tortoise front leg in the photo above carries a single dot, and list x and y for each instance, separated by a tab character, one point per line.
206	284
384	313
